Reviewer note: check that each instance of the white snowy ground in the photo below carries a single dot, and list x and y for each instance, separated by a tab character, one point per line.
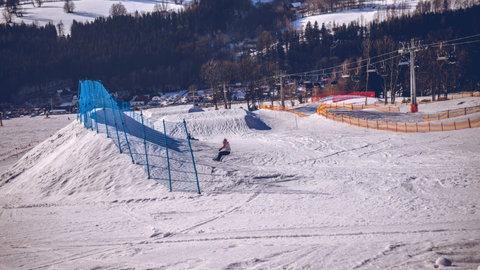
19	135
363	16
325	195
85	10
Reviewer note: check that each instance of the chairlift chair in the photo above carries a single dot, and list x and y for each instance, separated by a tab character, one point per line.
383	70
345	73
442	57
452	59
403	61
371	69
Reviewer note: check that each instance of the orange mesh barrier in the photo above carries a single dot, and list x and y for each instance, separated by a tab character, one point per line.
462	124
398	126
332	106
451	113
474	122
281	108
472	110
450	96
423	127
446	126
436	127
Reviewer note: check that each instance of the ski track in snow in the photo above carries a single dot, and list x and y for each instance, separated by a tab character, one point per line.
324	195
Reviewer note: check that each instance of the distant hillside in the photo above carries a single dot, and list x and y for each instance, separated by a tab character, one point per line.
220	42
84	11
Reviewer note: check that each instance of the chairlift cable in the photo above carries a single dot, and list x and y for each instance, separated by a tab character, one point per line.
322	71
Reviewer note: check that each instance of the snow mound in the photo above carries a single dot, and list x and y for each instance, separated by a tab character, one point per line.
75	163
157	113
195	108
79	164
442	261
209	123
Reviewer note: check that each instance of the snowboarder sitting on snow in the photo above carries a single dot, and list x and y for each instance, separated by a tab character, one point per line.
226	150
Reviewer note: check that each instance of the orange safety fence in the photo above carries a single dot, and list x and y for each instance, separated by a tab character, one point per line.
318	97
451	113
282	108
331	106
450	96
399	126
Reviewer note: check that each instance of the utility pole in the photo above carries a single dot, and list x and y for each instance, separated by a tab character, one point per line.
366	85
413	88
282	95
411	49
225	96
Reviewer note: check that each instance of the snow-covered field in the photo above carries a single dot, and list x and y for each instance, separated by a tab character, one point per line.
375	10
296	193
88	10
85	10
18	135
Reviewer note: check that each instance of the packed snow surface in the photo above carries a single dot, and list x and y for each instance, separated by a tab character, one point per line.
295	193
19	135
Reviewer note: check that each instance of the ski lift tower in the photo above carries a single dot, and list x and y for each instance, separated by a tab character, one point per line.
411	49
282	94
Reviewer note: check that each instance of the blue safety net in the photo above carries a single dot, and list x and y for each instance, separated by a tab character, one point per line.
136	136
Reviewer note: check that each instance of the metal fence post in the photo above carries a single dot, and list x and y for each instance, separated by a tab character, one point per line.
145	144
105	115
126	138
96	116
191	152
78	100
116	128
168	159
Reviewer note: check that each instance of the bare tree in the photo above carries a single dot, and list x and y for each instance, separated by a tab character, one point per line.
160	7
366	46
211	74
388	69
12	7
118	9
69	6
246	69
228	71
7	16
60	29
39	2
192	89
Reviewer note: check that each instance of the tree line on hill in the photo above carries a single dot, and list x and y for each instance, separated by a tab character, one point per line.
212	44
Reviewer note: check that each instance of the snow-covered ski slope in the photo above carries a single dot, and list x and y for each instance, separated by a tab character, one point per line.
304	193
